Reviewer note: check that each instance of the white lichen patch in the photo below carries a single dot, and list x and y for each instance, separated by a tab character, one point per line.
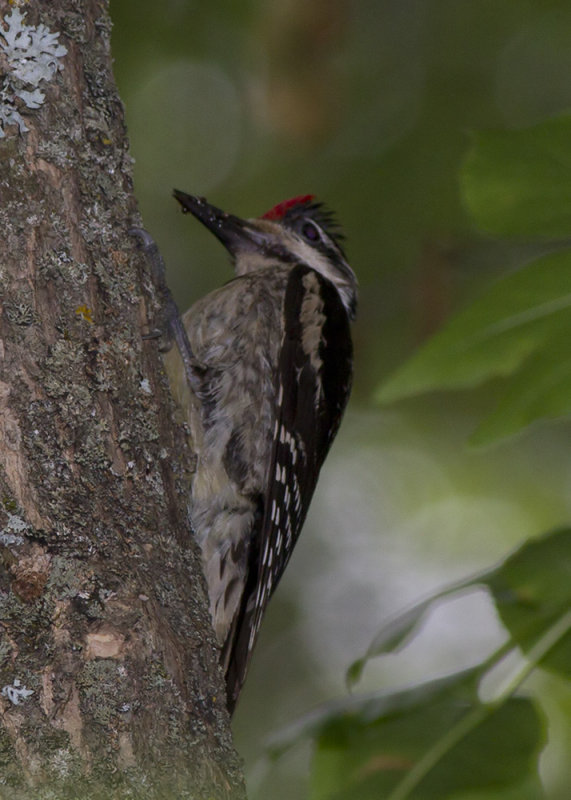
16	693
62	762
33	57
11	533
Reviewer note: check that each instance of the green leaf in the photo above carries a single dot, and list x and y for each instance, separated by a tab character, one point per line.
516	182
437	740
395	633
540	390
514	319
532	589
370	706
370	755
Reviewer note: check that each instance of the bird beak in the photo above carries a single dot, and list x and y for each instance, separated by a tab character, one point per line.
235	234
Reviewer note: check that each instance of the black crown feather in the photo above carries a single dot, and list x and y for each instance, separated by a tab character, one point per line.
306	207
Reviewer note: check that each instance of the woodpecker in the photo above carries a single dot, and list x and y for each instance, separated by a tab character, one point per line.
270	372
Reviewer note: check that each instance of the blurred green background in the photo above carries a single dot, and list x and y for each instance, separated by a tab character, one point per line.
369	104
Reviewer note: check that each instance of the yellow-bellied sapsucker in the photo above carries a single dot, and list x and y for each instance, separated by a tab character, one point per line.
271	370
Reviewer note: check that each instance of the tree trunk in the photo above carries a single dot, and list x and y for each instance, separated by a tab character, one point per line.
108	665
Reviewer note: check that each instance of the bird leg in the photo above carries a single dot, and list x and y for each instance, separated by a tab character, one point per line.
169	325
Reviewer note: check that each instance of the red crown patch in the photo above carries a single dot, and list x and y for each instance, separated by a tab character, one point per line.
279	211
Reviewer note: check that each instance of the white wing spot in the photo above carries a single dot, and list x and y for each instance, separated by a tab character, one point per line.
280	473
293	452
253	632
297	496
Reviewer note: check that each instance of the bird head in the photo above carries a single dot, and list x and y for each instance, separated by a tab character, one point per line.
296	231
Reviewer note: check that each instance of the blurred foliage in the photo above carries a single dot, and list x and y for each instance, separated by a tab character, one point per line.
372	105
439	736
531	591
438	739
520	328
515	182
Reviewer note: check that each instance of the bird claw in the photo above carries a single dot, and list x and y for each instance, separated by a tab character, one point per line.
169	326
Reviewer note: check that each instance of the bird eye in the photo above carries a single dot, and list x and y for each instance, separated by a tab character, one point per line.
310	232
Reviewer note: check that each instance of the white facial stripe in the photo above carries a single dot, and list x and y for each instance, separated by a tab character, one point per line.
303	252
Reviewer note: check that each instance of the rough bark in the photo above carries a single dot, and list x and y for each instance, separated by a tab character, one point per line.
102	605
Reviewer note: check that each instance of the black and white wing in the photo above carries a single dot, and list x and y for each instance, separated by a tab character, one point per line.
313	383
